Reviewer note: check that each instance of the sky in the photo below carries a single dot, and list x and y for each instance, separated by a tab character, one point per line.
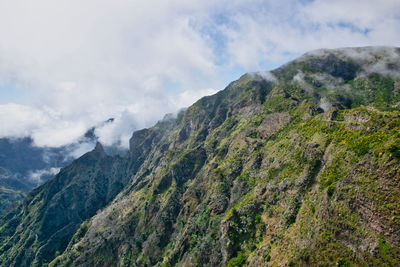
68	65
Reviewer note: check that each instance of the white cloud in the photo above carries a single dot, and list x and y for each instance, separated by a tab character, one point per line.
120	130
187	98
362	14
19	120
82	62
291	28
77	150
46	129
266	75
36	177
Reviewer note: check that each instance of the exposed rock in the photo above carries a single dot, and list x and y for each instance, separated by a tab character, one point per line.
255	175
272	123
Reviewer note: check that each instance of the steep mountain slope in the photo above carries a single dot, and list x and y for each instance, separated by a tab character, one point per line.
12	189
24	166
45	221
295	166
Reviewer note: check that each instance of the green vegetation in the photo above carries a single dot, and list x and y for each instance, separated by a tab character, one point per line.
258	174
238	261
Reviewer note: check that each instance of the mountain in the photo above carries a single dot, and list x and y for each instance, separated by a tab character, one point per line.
297	166
24	166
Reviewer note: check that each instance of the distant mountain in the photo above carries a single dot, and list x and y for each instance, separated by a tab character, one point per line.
24	166
294	167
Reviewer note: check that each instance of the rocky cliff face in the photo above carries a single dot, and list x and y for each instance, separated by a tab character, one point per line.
295	166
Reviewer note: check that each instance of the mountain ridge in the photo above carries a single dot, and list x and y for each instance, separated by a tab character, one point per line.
25	166
279	168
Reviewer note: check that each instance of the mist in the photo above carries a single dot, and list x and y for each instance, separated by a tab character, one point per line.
67	66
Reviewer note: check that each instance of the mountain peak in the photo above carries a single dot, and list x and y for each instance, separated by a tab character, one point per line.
99	148
258	171
382	60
